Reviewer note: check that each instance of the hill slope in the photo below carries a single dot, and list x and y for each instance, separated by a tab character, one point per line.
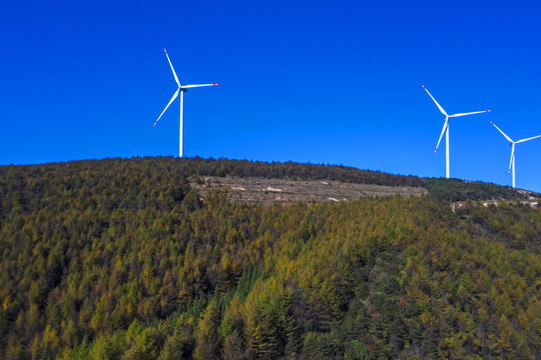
121	259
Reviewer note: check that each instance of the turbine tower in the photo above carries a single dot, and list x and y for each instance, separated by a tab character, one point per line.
446	131
513	143
181	89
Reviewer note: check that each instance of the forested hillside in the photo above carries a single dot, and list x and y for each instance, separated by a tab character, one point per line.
120	259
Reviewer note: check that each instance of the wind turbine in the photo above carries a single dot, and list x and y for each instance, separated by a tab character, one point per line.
446	130
181	89
513	143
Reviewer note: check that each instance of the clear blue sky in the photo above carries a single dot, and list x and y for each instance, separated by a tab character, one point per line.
334	82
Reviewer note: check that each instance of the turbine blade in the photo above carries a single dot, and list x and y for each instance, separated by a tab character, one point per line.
174	73
470	113
194	86
170	101
439	107
507	137
442	131
512	157
535	137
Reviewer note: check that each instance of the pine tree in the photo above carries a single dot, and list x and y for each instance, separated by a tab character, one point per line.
207	333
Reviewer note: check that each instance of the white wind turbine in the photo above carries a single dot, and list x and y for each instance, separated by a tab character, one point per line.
446	130
512	161
181	89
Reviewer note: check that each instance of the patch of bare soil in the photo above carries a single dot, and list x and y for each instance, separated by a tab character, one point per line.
267	191
532	202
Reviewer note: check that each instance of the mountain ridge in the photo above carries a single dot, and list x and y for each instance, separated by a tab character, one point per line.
454	190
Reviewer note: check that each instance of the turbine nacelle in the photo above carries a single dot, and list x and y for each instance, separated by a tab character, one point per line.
186	87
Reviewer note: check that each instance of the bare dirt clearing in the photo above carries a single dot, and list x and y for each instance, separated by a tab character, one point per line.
267	191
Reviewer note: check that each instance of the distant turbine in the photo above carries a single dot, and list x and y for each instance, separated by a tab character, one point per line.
182	90
512	161
446	127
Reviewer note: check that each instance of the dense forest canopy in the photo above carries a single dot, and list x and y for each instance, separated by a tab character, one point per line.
121	259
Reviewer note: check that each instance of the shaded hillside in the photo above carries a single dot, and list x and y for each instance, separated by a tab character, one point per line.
120	259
